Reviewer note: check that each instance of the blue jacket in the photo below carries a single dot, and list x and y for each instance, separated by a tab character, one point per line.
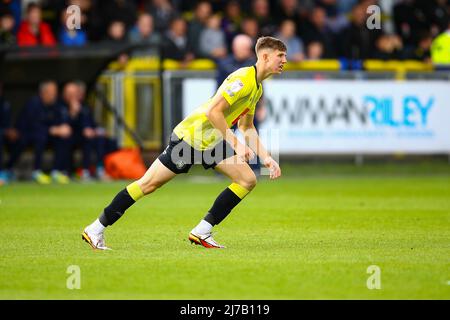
5	114
36	118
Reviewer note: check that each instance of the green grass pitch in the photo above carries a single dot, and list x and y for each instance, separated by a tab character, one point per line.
310	235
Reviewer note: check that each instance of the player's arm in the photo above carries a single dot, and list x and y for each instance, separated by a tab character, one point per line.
252	139
215	115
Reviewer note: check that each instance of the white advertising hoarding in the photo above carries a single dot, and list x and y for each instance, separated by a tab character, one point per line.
348	116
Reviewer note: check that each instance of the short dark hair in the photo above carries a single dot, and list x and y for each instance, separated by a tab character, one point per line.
269	43
31	6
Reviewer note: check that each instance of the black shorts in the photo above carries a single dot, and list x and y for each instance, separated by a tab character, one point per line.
179	156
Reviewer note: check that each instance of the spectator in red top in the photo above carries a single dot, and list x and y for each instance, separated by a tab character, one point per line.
34	32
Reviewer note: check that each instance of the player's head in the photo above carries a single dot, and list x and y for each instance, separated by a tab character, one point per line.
272	52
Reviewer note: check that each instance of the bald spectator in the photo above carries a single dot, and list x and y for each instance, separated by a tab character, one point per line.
242	56
34	32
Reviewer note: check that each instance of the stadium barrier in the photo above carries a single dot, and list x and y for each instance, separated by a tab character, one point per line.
311	99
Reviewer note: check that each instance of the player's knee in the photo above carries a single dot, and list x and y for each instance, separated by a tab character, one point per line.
149	186
248	181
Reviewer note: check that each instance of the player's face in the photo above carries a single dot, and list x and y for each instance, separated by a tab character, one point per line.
278	59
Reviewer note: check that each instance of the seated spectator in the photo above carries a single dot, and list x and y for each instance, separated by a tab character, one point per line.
357	41
176	44
196	26
231	21
388	47
422	51
71	37
293	43
144	33
117	35
34	32
116	32
316	30
261	12
250	27
103	143
242	56
7	36
44	121
85	135
212	39
163	12
114	10
5	133
314	51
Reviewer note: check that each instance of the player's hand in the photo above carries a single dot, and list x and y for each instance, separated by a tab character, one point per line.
273	167
244	153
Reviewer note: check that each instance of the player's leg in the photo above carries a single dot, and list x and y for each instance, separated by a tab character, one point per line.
243	181
156	176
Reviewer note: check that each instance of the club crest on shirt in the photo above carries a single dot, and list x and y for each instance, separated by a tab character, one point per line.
234	87
180	164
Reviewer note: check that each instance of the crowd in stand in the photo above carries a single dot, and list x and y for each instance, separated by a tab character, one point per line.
222	30
65	123
312	29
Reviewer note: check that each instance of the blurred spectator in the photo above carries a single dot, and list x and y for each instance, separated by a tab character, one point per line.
176	44
117	35
242	56
314	51
118	10
409	20
93	23
144	34
438	15
163	12
388	47
261	12
250	27
74	37
231	22
116	32
336	21
288	9
294	45
212	39
316	30
197	25
357	40
103	143
440	48
7	37
33	31
423	50
6	133
44	121
84	133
